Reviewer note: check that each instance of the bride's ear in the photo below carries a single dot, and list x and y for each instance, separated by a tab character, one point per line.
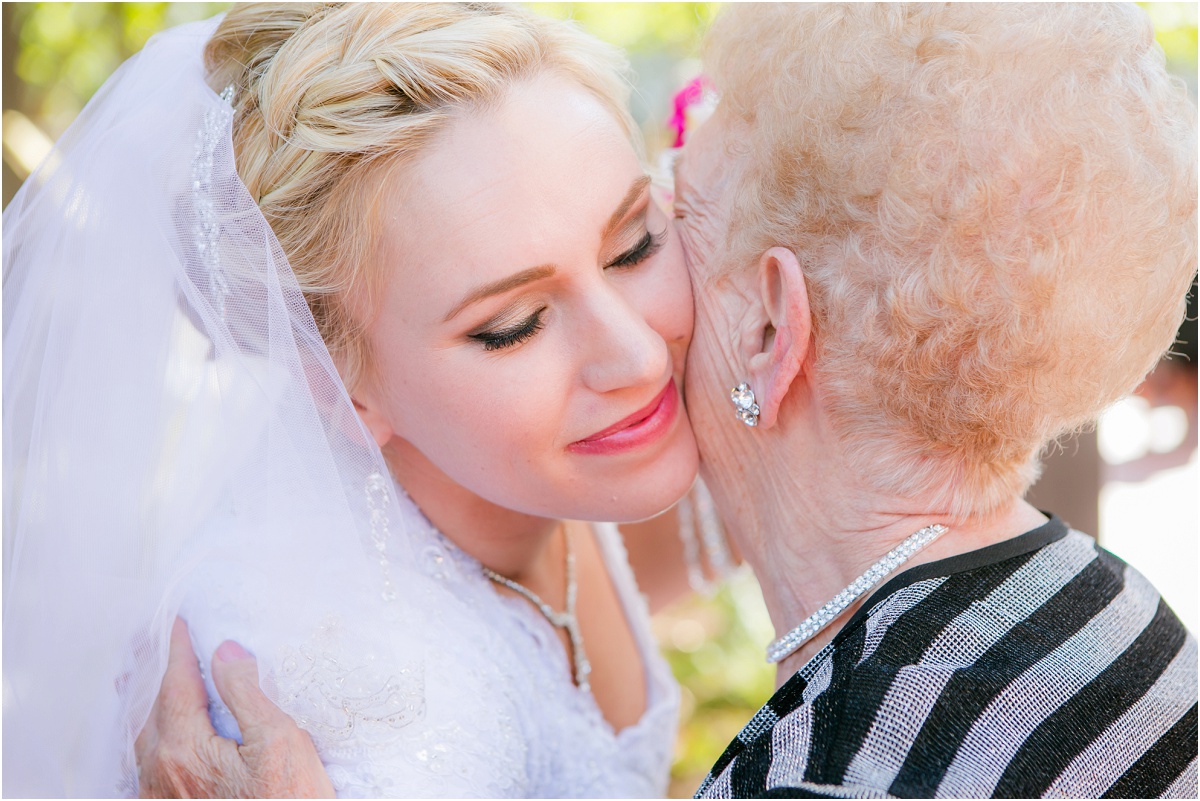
785	334
368	411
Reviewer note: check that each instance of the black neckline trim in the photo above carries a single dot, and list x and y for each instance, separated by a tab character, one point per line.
1052	530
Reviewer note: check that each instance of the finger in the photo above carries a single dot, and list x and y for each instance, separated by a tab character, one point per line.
178	727
235	672
278	754
182	699
147	739
208	768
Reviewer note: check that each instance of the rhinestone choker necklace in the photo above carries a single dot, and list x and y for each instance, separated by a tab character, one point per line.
565	619
812	626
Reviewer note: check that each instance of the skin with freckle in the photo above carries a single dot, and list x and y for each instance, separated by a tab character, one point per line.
531	184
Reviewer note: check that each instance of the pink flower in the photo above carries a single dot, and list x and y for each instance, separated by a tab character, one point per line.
688	96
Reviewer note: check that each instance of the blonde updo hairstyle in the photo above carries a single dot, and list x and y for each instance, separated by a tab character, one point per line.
330	97
995	210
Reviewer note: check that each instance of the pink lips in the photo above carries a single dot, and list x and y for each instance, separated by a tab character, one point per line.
640	428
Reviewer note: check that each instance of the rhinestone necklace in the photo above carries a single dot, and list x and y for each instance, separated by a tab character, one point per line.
565	619
813	625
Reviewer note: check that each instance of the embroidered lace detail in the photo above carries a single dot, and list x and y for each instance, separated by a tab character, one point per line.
468	693
366	702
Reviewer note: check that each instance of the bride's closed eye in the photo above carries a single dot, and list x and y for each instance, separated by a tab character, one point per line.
512	335
507	337
644	249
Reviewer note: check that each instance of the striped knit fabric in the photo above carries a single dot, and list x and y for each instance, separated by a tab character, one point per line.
1039	667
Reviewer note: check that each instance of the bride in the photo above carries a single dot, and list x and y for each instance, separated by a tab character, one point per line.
318	323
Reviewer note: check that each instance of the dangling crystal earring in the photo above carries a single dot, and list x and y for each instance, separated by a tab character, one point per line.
744	405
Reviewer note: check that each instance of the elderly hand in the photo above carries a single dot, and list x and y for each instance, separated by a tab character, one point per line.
179	755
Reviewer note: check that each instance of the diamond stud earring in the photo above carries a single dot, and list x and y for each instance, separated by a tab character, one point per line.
744	405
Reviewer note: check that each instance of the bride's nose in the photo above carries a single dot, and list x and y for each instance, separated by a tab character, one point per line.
621	349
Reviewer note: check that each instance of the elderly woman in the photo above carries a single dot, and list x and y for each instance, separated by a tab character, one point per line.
926	241
932	239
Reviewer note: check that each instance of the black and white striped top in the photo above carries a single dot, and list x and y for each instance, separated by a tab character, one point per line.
1038	667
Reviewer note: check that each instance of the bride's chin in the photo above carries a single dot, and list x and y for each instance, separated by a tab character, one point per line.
651	491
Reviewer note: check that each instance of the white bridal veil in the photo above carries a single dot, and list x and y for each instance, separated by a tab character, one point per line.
176	436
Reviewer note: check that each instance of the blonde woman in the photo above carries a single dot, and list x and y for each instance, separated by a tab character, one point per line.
319	323
925	241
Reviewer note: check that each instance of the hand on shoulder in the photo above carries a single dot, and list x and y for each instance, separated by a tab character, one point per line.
179	755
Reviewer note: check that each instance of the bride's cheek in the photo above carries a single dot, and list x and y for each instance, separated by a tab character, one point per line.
674	293
672	310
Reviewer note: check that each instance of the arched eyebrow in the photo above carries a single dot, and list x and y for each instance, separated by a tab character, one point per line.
636	189
501	286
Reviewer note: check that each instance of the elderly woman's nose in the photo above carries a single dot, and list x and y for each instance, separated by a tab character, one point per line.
621	349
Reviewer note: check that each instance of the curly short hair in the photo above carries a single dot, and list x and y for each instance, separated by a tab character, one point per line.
329	96
995	210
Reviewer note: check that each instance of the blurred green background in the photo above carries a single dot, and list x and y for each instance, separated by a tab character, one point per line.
55	55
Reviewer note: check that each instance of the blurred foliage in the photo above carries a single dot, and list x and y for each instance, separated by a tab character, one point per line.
671	28
58	54
663	44
1175	29
715	649
64	51
67	50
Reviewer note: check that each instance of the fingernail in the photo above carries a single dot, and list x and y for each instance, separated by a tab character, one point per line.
230	651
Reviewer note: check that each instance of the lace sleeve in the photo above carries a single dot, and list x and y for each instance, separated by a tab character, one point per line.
428	704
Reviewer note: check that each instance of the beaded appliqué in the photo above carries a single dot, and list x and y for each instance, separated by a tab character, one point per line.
207	229
369	702
378	501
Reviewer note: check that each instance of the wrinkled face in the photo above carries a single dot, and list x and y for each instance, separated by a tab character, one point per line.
704	178
529	342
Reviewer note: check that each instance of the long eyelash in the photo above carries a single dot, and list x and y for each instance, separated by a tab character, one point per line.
649	245
496	340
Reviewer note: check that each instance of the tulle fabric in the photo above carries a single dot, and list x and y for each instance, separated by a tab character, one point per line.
171	414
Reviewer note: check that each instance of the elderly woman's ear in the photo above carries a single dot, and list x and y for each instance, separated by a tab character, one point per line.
778	357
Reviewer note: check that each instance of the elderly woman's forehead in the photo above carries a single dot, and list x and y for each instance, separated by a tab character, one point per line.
677	169
683	174
702	154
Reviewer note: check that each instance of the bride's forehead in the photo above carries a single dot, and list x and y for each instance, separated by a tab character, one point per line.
568	171
544	133
463	226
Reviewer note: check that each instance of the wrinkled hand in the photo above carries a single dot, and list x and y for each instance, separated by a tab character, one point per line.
179	755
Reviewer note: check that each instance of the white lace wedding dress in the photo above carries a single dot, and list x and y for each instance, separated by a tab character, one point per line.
487	710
